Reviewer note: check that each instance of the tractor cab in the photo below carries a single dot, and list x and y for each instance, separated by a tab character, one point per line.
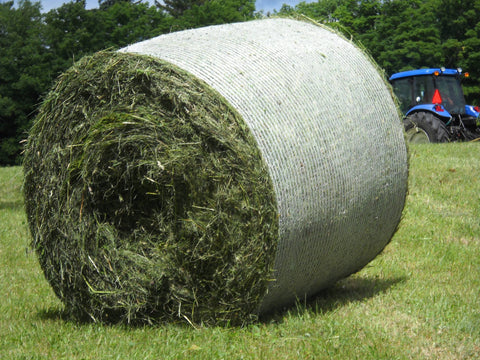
434	98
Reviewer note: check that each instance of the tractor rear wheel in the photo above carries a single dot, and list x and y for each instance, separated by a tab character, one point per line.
425	127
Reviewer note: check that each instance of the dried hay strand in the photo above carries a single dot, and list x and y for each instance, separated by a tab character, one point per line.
213	175
147	197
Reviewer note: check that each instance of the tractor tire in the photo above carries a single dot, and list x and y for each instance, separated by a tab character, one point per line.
425	127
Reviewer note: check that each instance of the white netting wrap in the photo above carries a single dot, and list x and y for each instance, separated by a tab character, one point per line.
328	129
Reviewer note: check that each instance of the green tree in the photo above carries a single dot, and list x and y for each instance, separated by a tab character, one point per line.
105	4
322	10
37	47
407	37
352	17
72	31
213	12
471	62
176	8
128	22
398	33
24	73
459	26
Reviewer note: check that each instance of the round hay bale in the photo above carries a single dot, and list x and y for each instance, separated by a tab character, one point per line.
213	174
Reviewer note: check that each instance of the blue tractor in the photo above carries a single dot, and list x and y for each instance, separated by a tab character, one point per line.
434	107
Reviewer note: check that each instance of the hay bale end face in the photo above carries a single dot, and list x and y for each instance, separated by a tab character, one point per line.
213	174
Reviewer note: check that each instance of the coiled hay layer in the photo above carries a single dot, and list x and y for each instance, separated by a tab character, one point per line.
213	174
147	196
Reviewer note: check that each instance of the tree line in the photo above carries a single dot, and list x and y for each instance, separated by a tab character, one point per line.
35	47
409	34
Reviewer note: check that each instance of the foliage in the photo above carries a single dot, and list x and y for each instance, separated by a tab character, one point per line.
412	37
105	4
36	47
24	73
214	12
408	34
128	23
72	31
176	8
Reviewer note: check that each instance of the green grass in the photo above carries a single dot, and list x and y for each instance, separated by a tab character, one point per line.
419	300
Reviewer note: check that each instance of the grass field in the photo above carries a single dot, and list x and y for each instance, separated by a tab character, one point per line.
420	299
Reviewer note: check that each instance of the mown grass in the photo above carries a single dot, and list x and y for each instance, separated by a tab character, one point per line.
419	300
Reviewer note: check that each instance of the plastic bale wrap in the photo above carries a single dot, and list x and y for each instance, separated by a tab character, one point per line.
214	174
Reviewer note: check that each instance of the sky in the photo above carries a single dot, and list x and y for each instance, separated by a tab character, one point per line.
265	5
